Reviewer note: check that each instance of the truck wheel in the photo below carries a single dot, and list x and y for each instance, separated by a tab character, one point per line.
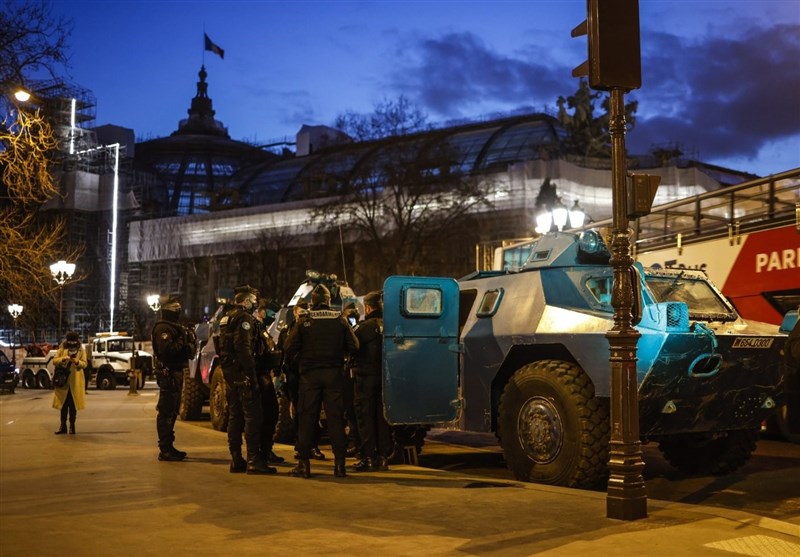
707	453
552	428
218	402
106	380
284	430
191	398
43	380
28	379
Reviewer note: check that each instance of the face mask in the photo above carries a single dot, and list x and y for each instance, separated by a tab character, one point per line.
72	352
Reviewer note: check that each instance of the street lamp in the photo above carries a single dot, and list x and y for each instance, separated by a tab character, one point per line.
22	95
62	272
152	301
560	217
15	310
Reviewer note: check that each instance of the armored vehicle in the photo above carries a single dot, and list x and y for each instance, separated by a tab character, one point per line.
523	353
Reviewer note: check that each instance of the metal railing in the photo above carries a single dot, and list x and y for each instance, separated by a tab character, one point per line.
751	206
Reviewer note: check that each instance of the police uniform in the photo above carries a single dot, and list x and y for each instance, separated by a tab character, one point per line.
376	436
321	341
238	329
173	346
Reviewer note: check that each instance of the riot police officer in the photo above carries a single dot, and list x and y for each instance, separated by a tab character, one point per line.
238	331
291	371
376	436
173	346
321	341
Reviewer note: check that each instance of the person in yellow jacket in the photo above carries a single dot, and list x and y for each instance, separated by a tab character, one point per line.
70	397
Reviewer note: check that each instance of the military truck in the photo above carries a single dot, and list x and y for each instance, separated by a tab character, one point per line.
523	353
36	369
202	382
110	358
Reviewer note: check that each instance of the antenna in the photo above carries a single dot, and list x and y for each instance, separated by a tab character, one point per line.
341	249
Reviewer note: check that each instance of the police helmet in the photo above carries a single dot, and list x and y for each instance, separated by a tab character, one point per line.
374	299
241	293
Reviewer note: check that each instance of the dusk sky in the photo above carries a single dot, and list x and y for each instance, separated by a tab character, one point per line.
721	78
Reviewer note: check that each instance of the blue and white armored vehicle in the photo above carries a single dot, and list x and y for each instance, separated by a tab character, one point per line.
523	353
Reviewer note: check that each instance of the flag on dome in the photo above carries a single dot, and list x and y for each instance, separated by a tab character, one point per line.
215	48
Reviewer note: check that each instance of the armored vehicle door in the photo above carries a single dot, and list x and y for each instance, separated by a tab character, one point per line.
420	350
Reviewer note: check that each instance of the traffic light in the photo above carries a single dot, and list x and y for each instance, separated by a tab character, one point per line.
614	60
641	191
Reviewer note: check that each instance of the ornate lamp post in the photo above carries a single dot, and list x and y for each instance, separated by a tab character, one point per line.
15	310
62	272
561	217
152	301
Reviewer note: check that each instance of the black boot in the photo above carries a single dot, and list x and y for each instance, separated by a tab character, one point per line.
62	430
302	470
338	468
255	465
238	464
272	458
381	464
72	428
317	454
171	454
363	465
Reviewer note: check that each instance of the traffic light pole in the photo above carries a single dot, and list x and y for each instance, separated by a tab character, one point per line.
626	498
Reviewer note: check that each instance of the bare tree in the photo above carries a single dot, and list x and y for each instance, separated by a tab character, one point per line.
408	194
32	41
390	118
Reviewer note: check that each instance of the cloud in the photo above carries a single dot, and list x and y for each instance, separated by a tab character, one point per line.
717	96
723	96
456	71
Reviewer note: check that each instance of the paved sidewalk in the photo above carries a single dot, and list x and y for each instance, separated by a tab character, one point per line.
102	492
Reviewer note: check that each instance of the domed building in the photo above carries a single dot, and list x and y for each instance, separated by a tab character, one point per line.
192	168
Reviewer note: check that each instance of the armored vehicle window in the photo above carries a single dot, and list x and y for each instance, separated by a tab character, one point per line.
698	295
600	287
540	255
422	302
490	302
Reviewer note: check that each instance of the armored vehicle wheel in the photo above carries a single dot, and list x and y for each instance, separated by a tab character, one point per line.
43	380
191	398
106	380
707	453
28	379
284	431
552	428
218	402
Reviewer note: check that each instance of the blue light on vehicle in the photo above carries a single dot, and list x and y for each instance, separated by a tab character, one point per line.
590	242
